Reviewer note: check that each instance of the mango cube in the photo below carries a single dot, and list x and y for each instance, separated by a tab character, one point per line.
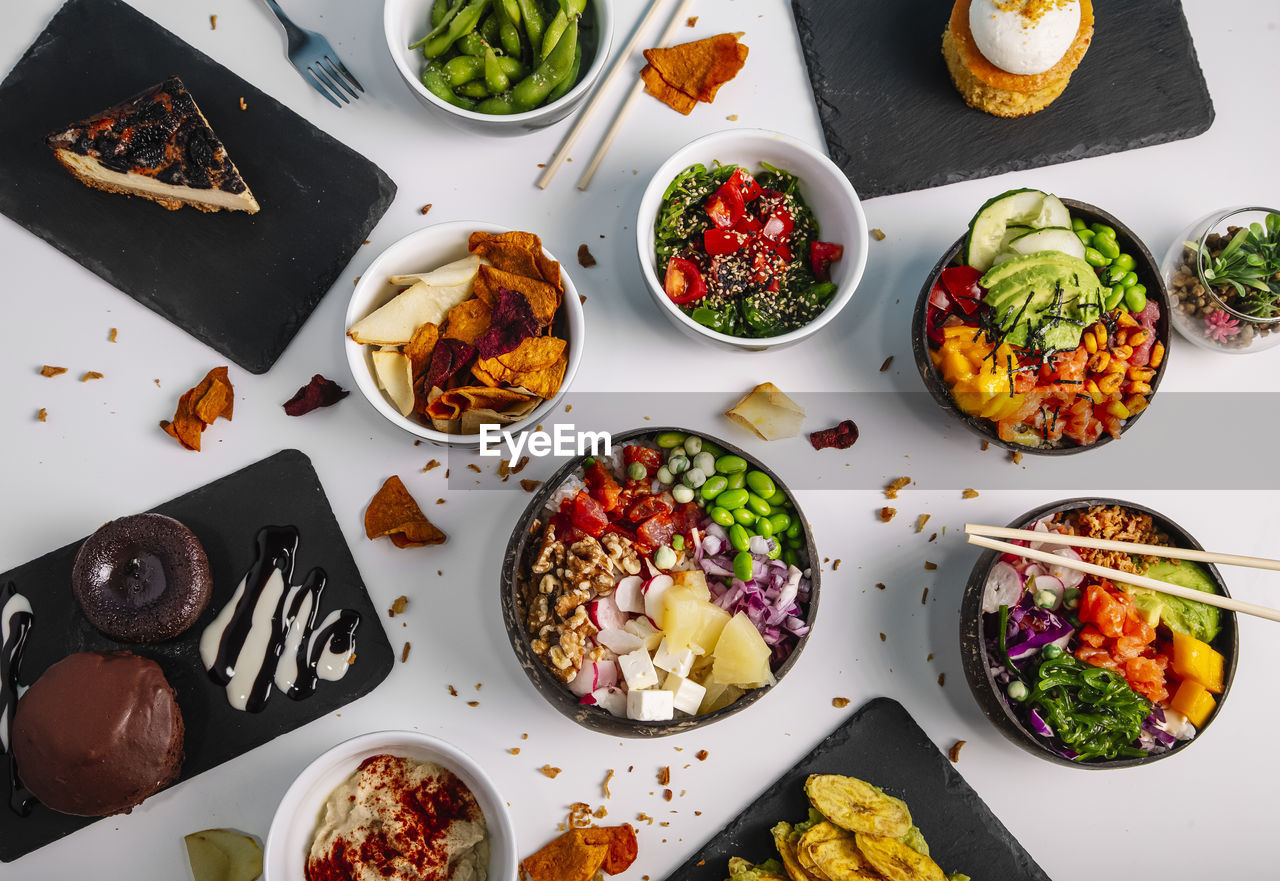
1195	660
1193	701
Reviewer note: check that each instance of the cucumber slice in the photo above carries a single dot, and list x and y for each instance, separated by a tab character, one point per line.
986	230
1052	213
1053	238
1011	233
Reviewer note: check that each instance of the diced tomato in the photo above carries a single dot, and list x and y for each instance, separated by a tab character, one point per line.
651	459
822	255
684	283
722	241
769	201
656	531
646	507
588	515
961	283
748	224
778	225
604	489
745	183
725	206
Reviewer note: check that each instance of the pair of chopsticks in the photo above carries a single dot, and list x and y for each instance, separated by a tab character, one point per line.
985	536
620	63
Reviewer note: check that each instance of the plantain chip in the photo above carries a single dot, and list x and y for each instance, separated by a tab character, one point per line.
745	870
897	861
787	850
857	806
840	860
818	833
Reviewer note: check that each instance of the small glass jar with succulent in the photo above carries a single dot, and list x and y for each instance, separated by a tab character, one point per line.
1223	275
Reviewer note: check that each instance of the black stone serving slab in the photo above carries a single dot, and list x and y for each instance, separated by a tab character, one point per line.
225	515
894	122
519	557
1149	274
883	745
241	284
977	663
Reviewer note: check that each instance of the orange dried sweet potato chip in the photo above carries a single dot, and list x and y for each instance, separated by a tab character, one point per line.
697	69
393	512
659	88
567	858
519	253
622	844
200	406
452	404
467	320
418	350
543	382
543	298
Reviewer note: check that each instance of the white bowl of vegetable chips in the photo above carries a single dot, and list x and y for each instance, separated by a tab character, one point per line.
757	259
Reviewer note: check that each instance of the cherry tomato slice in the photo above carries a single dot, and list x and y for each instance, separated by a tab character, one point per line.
778	225
725	206
722	241
684	283
961	283
821	256
748	224
745	183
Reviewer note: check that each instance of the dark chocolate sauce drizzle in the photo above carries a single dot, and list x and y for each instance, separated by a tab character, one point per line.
277	550
20	801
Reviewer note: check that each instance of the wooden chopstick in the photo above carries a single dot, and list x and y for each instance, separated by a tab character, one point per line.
1125	547
1186	593
619	63
676	21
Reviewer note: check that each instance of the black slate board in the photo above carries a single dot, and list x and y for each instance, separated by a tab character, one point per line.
894	123
883	745
225	515
241	284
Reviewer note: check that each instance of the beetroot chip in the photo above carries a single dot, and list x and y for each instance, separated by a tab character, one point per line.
511	323
841	436
448	358
319	392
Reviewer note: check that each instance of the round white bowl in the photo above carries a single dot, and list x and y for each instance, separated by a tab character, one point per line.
289	838
405	21
824	187
422	251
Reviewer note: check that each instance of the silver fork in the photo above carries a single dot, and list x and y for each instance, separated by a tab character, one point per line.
315	59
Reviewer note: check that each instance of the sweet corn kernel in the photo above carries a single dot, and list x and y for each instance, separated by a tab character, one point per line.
1137	338
1118	410
1090	343
1124	319
1135	404
1140	374
1099	362
1122	353
1157	354
1100	331
1121	337
1091	389
1140	388
1110	384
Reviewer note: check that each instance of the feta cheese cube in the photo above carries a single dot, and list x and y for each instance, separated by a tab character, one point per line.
686	694
677	662
650	705
637	670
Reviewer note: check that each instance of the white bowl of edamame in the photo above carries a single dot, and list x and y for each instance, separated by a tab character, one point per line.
517	99
770	266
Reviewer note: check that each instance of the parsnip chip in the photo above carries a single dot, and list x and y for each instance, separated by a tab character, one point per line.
768	413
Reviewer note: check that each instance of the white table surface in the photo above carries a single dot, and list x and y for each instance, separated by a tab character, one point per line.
100	455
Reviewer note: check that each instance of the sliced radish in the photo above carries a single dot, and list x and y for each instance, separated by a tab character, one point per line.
1051	584
1069	577
606	674
1004	588
605	614
621	642
654	588
629	594
594	675
612	699
1034	570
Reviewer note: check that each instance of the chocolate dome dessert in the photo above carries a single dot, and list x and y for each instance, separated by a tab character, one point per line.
143	578
97	733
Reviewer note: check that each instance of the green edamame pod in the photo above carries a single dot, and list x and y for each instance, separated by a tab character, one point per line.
721	516
573	8
462	69
737	480
732	499
494	79
508	33
439	10
714	486
437	84
731	464
551	36
474	89
498	105
742	562
761	484
531	91
1135	298
438	28
462	22
570	79
759	505
745	516
534	23
512	67
738	537
491	30
471	44
511	9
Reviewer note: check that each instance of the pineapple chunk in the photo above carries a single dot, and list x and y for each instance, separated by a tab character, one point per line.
695	579
741	656
718	696
691	621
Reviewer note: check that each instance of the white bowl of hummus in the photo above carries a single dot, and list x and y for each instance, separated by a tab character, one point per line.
392	806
